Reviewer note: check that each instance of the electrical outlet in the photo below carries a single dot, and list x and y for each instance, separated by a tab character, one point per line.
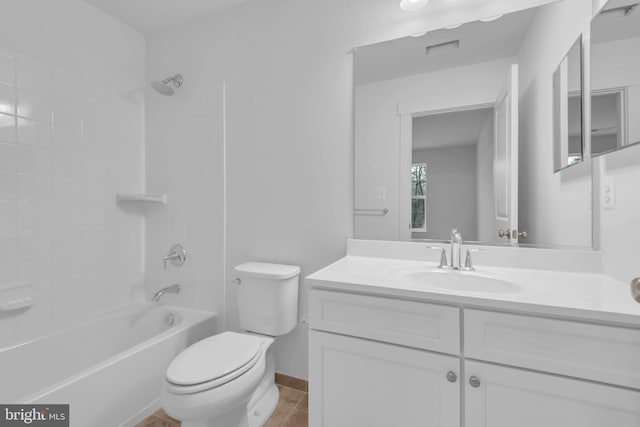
609	194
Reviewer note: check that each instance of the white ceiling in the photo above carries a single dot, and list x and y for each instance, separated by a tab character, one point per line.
153	16
479	42
455	129
611	27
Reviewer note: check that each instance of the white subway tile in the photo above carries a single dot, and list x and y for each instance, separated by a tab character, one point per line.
34	269
8	243
69	163
67	189
33	187
34	106
33	78
7	99
67	113
8	271
33	215
5	51
34	160
7	186
30	132
8	214
7	128
7	157
66	138
34	242
7	71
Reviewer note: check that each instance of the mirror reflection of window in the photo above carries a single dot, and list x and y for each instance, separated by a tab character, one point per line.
419	197
615	76
458	148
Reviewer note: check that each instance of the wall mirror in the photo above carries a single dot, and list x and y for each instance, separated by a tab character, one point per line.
453	129
615	77
568	140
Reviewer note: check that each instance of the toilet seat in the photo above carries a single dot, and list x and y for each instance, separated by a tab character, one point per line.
213	362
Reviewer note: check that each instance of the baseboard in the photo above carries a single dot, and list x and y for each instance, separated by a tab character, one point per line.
144	413
292	382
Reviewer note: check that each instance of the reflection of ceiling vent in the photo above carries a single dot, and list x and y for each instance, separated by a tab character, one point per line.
435	49
622	11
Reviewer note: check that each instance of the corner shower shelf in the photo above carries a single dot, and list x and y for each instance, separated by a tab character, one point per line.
150	198
17	297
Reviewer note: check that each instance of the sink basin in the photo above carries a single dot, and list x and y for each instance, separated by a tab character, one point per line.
460	281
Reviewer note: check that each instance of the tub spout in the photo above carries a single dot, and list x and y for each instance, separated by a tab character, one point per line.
173	289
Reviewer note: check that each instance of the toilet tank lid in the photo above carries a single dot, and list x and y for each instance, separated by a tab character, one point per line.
265	270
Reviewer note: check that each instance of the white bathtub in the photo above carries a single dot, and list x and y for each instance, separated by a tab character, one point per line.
109	369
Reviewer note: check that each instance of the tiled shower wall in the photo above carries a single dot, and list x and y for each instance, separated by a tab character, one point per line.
71	137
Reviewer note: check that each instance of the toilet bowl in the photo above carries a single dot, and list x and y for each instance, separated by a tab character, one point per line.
212	382
228	380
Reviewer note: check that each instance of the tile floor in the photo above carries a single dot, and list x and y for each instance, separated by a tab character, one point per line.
292	411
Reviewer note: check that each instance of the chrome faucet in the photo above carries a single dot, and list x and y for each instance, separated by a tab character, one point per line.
177	255
456	244
173	289
456	257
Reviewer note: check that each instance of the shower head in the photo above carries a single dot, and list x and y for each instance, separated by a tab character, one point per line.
164	88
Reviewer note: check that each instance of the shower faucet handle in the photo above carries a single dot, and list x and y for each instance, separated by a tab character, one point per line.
177	255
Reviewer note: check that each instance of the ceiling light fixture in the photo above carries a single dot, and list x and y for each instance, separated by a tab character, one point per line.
453	27
419	34
491	18
413	5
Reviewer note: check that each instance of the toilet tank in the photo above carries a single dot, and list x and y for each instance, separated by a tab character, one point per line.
267	297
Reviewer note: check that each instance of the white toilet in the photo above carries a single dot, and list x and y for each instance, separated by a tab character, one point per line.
228	379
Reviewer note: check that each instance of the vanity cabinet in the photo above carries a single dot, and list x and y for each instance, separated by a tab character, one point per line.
378	361
360	382
509	397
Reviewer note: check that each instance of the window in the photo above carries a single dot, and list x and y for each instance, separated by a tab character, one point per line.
419	197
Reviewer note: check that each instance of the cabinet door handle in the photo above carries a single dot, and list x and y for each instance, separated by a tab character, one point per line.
452	377
474	381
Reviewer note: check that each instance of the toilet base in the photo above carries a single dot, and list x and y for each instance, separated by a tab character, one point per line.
264	408
237	418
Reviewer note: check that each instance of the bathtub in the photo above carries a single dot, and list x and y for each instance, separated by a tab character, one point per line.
109	370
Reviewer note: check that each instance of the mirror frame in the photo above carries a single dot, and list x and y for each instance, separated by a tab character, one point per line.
558	113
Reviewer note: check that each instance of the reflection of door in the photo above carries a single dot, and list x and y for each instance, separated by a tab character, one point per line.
505	163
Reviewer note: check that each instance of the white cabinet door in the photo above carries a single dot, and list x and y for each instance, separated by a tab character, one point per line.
509	397
360	383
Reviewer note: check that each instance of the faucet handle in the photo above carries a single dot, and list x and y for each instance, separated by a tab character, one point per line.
443	256
177	256
468	263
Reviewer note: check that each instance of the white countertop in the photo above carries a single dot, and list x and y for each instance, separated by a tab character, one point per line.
579	296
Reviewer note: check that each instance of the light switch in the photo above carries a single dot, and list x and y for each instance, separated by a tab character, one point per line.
609	193
380	193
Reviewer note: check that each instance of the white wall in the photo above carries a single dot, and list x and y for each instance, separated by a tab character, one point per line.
451	191
484	183
377	147
288	68
553	208
76	141
613	66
